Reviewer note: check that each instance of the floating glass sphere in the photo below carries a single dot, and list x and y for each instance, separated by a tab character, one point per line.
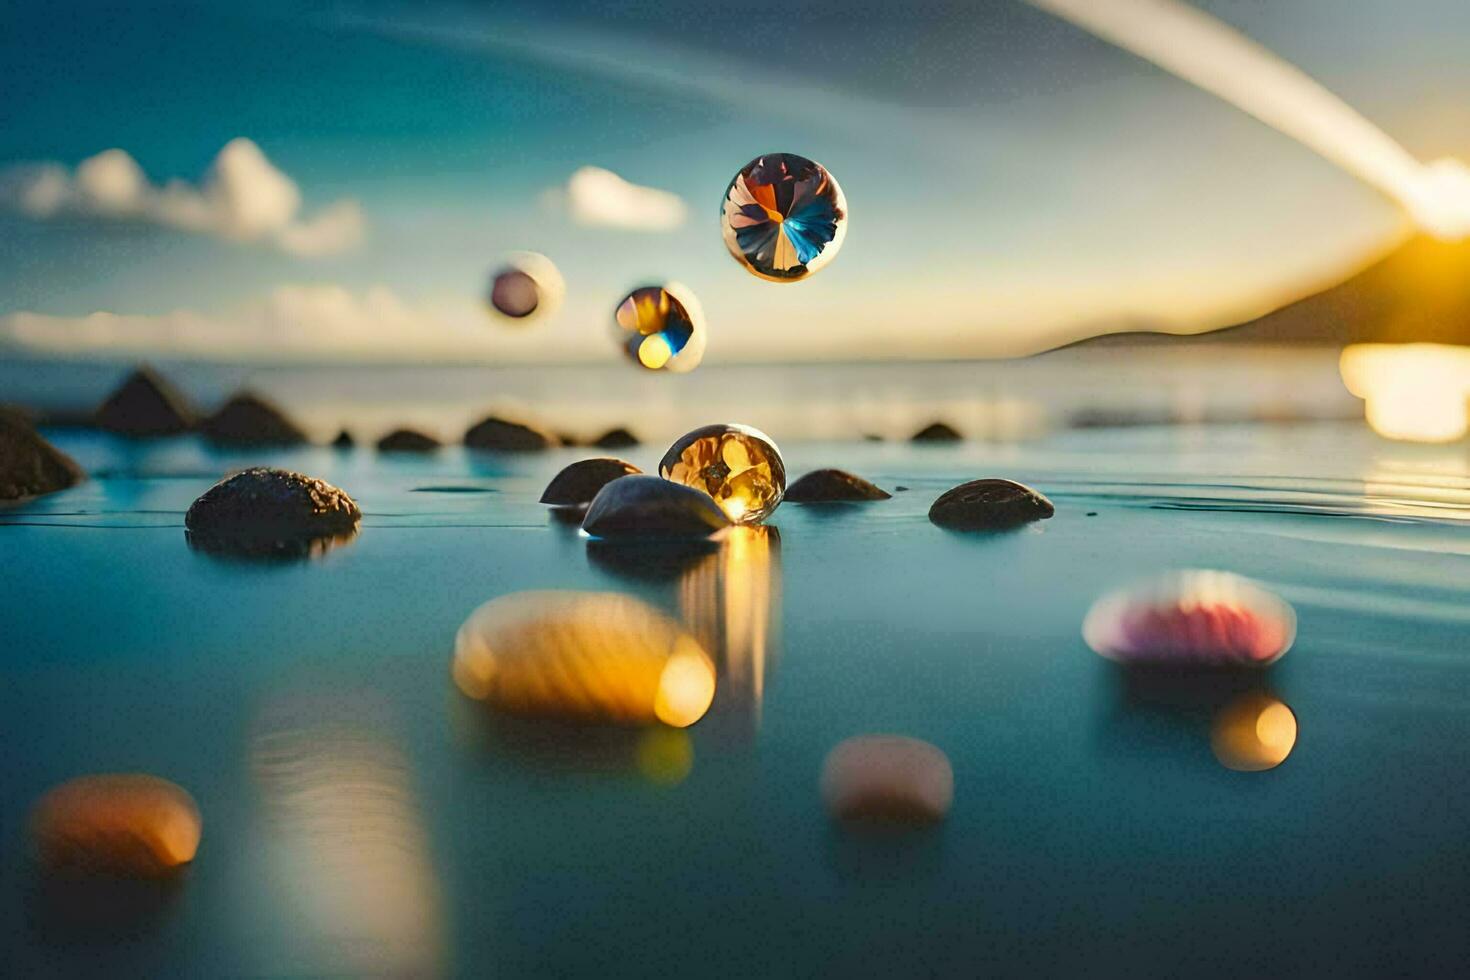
662	328
527	287
784	217
740	467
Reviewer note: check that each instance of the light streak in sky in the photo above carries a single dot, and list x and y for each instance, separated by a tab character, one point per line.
1220	60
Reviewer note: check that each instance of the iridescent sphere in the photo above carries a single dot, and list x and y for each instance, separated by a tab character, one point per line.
527	287
784	217
740	467
662	328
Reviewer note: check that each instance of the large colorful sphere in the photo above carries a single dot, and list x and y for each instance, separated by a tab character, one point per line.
662	328
784	217
738	466
527	287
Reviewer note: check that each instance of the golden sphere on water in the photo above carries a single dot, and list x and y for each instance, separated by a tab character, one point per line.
738	466
661	328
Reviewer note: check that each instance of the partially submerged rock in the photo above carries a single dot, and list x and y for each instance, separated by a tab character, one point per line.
888	778
344	440
146	404
832	486
264	503
407	441
125	824
249	420
937	432
577	484
989	505
618	438
508	436
650	507
29	465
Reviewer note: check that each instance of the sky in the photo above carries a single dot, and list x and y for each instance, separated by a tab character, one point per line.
337	180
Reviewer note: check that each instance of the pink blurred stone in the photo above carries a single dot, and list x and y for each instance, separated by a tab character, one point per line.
887	777
1196	618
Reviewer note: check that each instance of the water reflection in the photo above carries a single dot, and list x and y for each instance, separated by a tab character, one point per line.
348	854
583	656
731	601
266	548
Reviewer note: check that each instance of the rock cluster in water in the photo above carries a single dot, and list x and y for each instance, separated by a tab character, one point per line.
644	507
271	501
507	436
125	824
146	404
989	505
833	486
577	484
249	420
29	465
1191	619
888	778
407	441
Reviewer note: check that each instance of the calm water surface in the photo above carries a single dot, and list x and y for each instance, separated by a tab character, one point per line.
361	817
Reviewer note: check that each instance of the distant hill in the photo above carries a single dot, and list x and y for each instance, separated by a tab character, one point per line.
1418	292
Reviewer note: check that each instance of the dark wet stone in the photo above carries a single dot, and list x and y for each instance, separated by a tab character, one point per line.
937	432
900	489
577	484
618	438
248	420
498	433
989	505
407	441
830	486
651	507
29	465
146	404
344	440
567	439
263	501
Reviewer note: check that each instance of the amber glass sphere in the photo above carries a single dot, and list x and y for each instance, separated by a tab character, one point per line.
740	467
661	328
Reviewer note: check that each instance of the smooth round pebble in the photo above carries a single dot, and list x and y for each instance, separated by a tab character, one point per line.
648	507
583	656
833	486
577	484
124	824
989	505
887	778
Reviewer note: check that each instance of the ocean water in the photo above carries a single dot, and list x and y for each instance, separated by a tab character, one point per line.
361	817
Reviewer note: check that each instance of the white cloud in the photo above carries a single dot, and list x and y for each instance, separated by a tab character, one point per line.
594	196
316	321
243	197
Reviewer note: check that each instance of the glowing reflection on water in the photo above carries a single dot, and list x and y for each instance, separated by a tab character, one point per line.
731	601
348	853
1253	732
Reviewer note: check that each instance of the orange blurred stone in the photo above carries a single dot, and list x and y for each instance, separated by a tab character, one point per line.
889	778
127	824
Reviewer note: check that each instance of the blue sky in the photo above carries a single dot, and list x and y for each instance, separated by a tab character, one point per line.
1013	181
